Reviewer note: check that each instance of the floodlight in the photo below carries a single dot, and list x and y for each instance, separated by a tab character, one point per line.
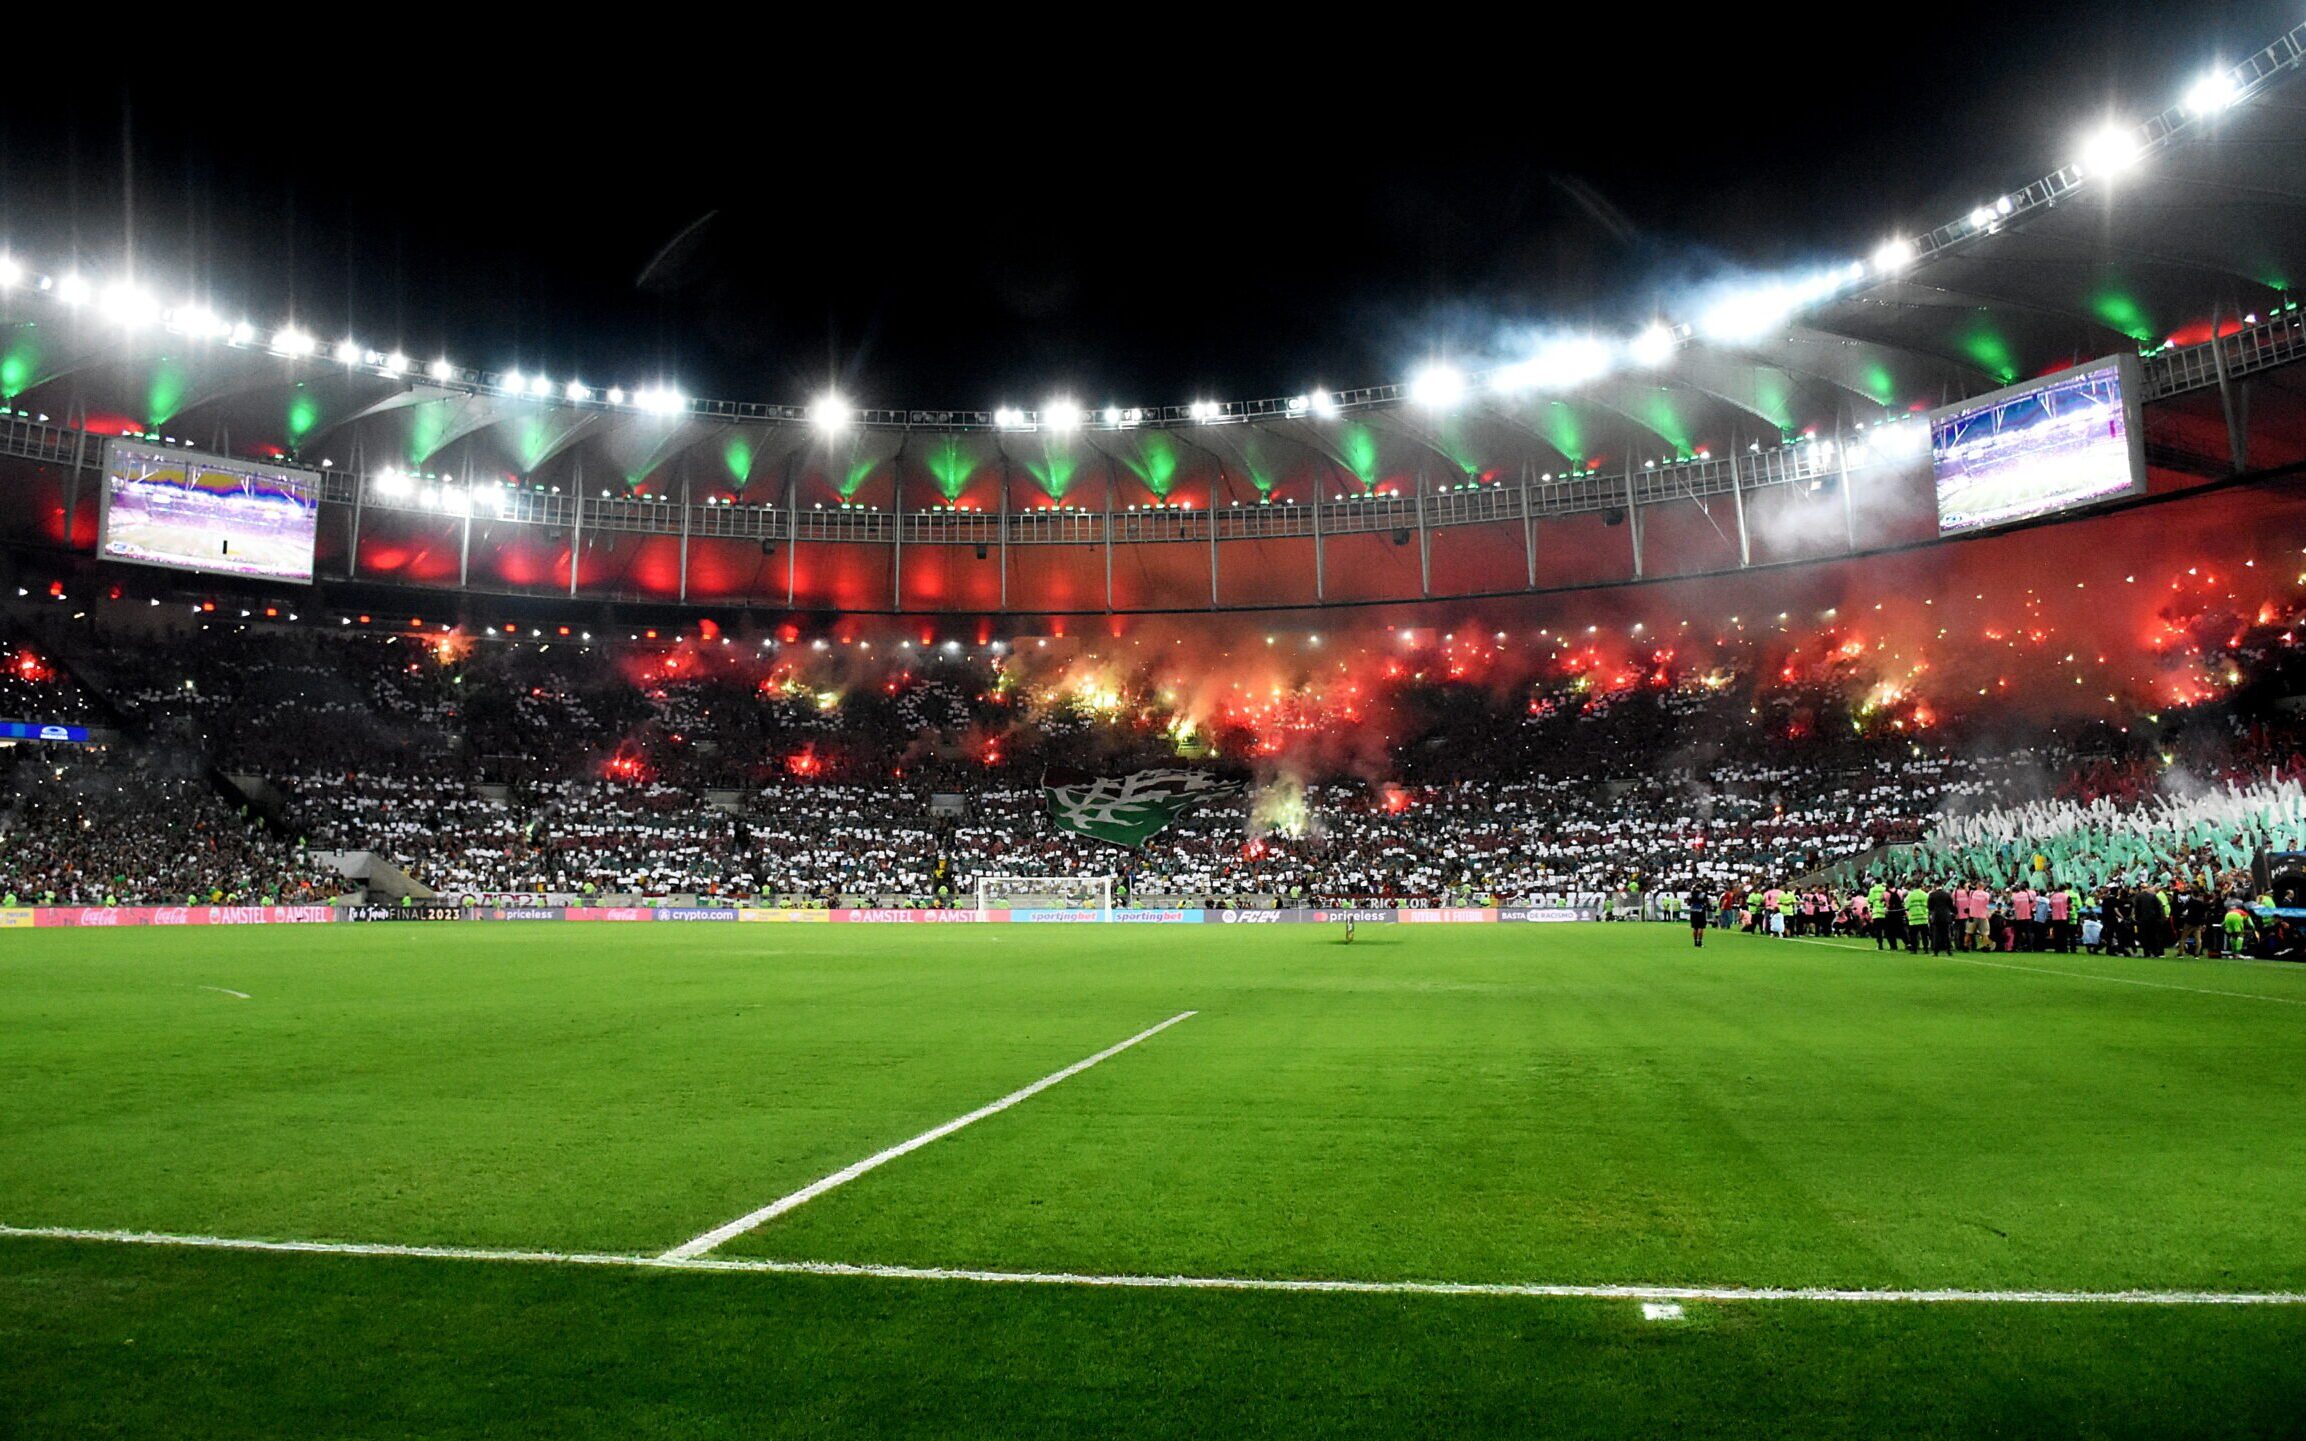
347	353
1061	415
829	413
2110	151
2212	93
577	391
1008	417
539	387
1559	365
11	273
1892	256
125	305
440	369
74	289
1747	315
1654	346
288	340
395	363
1437	387
1322	402
1202	410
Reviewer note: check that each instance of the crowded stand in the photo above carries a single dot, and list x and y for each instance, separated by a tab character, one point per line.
751	775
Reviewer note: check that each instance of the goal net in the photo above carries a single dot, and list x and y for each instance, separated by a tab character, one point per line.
1046	893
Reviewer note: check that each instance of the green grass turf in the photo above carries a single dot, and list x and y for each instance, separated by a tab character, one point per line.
1446	1103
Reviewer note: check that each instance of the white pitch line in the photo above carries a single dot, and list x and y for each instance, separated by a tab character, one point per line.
223	991
2077	975
1540	1290
719	1235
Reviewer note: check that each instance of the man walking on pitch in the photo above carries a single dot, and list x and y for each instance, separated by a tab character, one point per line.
1699	904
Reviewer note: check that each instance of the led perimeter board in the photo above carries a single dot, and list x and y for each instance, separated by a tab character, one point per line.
2035	449
179	508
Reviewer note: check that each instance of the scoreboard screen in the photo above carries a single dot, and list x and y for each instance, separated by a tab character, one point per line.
2036	449
179	508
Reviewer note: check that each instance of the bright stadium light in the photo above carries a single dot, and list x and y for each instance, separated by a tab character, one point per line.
2110	151
1437	387
829	413
1981	217
2212	93
195	320
1322	402
577	391
392	483
1892	256
126	306
288	340
1061	415
395	364
441	369
243	334
1748	315
1654	346
11	273
539	387
1008	417
1559	365
74	289
512	382
1202	410
347	352
616	395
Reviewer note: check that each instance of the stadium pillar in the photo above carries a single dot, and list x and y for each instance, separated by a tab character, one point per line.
1738	501
464	541
1849	502
576	535
1216	480
1112	478
1320	562
79	458
1004	530
1528	529
792	527
1424	551
352	526
897	531
1632	517
2237	434
684	530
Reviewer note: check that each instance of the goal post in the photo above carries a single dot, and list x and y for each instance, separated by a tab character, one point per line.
1053	893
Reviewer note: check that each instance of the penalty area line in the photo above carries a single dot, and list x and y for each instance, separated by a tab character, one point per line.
719	1235
1531	1290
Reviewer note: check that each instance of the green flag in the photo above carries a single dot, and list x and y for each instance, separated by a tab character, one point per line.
1128	810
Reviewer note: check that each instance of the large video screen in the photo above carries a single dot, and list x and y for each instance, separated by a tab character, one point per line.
2039	448
179	508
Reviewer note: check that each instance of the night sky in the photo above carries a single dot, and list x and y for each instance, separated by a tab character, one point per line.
1194	205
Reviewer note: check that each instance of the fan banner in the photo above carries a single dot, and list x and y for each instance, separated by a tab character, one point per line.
1128	810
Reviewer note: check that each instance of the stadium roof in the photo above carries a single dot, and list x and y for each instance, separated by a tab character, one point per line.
2187	221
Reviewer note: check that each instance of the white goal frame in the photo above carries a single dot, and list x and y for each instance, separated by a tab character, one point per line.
1063	892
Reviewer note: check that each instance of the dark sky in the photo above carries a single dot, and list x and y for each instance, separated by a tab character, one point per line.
1199	204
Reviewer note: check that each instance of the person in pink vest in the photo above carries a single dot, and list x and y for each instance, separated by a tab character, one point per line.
2022	917
2061	919
1981	914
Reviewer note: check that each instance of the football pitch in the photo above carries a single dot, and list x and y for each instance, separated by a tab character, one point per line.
694	1180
